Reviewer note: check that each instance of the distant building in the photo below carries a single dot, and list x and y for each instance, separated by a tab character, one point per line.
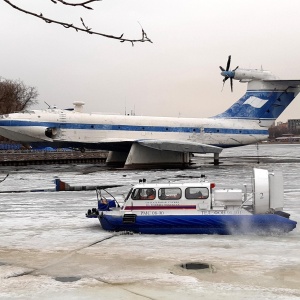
293	124
288	132
282	125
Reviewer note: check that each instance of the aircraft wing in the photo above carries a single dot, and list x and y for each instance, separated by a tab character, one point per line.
179	146
289	83
166	145
114	144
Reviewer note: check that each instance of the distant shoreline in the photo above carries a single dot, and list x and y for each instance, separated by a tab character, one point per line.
278	143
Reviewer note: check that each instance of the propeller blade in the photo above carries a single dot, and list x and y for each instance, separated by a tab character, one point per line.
227	73
225	78
228	63
222	86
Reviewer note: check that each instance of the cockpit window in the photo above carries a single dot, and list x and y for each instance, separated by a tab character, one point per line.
196	193
143	194
128	195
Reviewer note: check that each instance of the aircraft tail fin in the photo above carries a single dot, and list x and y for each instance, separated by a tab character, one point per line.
61	185
264	100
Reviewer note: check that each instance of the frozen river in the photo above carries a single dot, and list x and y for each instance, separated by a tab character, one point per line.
49	250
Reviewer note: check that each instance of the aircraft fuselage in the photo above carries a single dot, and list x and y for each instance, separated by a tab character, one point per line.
67	128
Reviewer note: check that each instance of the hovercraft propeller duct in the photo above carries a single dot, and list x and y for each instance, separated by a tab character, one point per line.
228	73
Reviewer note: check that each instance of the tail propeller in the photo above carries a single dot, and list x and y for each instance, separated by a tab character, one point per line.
228	73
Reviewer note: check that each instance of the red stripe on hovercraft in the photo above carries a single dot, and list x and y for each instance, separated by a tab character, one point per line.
160	207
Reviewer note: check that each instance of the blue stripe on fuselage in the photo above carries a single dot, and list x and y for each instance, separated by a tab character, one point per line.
16	123
235	131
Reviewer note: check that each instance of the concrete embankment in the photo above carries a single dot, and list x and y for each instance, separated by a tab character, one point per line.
28	157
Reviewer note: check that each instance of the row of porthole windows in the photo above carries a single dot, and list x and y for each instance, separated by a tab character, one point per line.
143	128
167	129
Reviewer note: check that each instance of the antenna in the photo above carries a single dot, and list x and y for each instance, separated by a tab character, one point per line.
257	149
47	104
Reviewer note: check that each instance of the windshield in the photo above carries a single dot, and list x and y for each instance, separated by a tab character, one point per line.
128	195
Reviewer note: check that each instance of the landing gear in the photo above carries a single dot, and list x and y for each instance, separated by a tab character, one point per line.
216	159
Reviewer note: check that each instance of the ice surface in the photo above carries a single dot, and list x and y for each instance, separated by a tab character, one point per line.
45	235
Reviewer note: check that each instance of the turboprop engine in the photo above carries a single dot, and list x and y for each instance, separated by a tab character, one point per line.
244	75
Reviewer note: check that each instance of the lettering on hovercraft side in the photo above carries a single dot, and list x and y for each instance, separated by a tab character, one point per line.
152	213
222	212
159	203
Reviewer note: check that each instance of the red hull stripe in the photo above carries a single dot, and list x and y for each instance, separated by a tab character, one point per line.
160	207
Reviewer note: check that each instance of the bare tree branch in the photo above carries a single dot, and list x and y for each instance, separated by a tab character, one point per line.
83	4
85	28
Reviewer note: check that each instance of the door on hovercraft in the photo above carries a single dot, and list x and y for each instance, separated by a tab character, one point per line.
261	195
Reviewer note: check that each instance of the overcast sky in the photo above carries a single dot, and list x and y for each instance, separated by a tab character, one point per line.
177	75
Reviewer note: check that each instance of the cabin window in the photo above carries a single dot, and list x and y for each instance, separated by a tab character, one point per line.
196	193
169	193
143	194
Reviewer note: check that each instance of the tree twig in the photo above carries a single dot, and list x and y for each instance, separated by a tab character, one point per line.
83	4
85	28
